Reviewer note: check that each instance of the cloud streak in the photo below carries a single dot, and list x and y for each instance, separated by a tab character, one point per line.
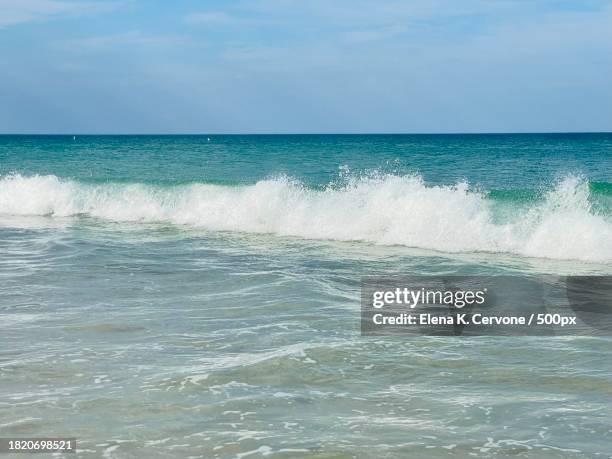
14	12
211	17
119	41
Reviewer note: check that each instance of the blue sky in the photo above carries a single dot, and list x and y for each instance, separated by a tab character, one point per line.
281	66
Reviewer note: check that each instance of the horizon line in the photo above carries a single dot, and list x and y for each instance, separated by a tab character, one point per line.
291	133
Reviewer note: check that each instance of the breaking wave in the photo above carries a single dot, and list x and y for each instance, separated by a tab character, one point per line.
392	210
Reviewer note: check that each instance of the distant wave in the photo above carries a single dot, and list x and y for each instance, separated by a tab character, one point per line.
392	210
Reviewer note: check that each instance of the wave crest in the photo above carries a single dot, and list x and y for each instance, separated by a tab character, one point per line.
389	209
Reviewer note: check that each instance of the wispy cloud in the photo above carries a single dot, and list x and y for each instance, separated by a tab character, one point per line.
368	35
134	38
13	12
365	13
211	17
222	18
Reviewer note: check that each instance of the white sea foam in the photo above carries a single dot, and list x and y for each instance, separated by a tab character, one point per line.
389	210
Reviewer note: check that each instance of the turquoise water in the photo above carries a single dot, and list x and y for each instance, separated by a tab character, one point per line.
174	296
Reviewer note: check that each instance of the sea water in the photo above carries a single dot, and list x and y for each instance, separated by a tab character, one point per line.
175	296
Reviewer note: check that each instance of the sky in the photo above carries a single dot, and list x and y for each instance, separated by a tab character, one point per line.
300	66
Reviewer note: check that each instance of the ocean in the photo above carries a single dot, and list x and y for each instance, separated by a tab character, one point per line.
198	296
